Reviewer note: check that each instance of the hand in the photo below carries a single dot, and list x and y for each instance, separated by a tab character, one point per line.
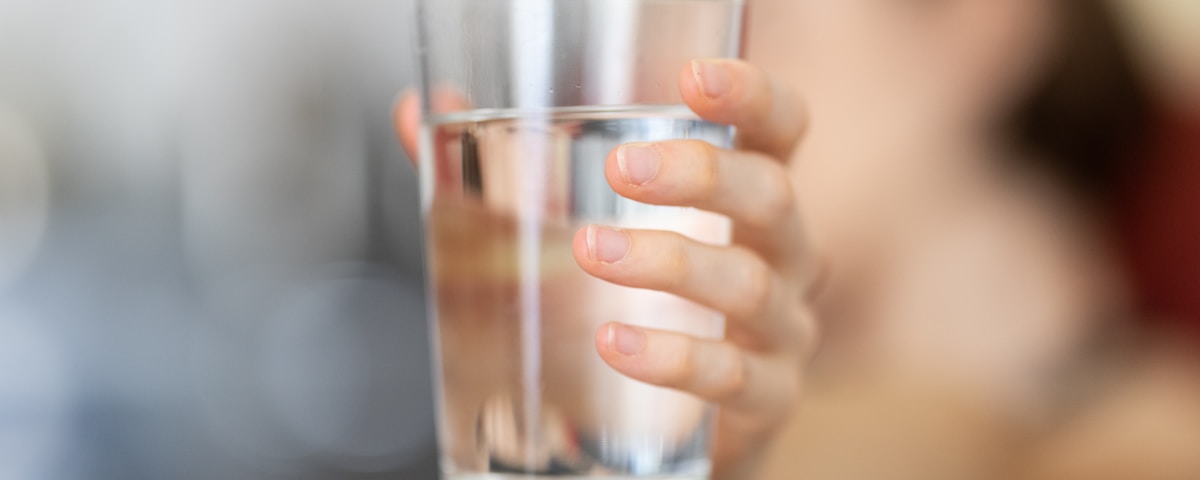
760	282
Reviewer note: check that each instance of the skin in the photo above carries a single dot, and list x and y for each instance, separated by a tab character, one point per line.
895	130
954	282
927	122
754	375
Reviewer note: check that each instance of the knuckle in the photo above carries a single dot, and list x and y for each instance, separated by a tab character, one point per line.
762	97
696	170
734	379
677	264
777	200
753	98
707	171
680	372
756	289
670	264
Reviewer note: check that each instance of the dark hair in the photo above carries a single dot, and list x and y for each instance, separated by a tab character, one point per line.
1091	111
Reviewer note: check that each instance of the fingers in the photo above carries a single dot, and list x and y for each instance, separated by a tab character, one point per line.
750	188
769	117
715	370
732	280
406	114
407	118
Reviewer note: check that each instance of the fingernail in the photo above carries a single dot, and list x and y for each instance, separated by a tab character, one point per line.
712	77
607	245
626	340
638	162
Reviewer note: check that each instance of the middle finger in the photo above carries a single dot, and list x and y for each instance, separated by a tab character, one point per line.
754	190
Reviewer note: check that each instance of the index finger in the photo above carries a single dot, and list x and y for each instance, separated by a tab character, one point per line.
769	117
406	114
406	117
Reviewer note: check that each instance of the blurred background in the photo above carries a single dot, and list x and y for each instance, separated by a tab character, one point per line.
210	242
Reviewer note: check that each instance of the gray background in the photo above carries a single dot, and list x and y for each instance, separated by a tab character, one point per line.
209	242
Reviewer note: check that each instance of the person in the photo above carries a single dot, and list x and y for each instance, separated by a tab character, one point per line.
918	184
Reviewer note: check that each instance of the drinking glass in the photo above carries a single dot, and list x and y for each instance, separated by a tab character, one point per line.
522	102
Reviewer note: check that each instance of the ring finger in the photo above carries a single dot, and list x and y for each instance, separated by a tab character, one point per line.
732	280
715	370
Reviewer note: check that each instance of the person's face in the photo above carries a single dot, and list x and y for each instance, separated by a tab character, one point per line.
901	93
947	61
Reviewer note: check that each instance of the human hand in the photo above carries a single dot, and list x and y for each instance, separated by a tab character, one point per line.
754	374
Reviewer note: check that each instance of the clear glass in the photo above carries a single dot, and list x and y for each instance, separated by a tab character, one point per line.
524	99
